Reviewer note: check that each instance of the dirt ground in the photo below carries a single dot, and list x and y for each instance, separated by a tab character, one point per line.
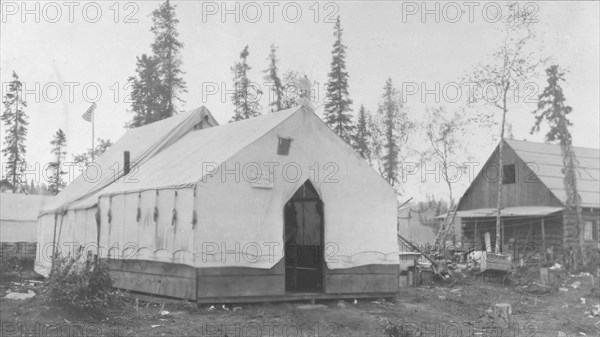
461	310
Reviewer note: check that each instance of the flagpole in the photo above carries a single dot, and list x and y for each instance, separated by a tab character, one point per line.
93	122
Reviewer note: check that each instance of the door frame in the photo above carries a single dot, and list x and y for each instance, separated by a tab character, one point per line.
323	265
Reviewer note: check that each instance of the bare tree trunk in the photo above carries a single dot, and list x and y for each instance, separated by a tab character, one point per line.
500	173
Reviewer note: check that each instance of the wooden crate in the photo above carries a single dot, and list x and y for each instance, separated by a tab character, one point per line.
492	261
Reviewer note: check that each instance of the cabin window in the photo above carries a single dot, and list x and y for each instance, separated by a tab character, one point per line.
589	231
283	146
509	174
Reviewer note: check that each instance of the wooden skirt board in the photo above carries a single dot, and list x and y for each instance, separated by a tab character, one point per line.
241	284
240	281
157	278
364	279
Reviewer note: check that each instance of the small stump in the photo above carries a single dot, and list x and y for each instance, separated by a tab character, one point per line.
503	312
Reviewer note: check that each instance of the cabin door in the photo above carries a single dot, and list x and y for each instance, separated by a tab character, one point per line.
303	220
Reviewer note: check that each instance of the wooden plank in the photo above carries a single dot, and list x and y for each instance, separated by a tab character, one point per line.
361	283
368	269
162	285
277	269
152	267
235	286
294	297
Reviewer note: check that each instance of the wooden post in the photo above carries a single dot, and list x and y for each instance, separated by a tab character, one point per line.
501	237
476	238
543	240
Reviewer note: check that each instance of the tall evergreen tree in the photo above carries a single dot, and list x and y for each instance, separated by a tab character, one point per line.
158	83
361	135
145	92
272	77
15	121
552	108
337	106
395	127
244	99
167	48
59	142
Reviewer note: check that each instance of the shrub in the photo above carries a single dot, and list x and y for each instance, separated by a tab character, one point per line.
83	285
11	264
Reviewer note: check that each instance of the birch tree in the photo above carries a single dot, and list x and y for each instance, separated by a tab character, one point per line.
513	64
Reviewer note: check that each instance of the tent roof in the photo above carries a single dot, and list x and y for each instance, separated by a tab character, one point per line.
21	207
181	164
142	142
548	161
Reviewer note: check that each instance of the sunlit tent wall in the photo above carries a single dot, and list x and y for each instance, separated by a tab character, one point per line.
209	215
534	222
18	224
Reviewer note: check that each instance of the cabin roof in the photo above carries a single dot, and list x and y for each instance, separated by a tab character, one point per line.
547	159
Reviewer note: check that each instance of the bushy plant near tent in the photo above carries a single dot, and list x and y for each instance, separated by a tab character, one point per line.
83	285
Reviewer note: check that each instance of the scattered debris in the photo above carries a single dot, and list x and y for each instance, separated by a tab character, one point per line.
19	296
224	307
155	326
575	285
211	308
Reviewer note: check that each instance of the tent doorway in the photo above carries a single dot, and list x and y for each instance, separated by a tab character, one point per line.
303	221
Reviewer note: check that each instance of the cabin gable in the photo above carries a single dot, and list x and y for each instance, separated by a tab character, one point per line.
526	190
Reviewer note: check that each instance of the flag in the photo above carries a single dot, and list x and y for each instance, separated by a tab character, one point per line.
89	112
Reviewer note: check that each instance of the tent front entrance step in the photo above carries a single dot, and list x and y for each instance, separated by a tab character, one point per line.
303	227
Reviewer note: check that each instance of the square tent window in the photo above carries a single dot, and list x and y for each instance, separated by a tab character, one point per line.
509	174
283	146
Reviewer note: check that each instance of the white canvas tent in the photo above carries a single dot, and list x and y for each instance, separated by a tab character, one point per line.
212	199
18	216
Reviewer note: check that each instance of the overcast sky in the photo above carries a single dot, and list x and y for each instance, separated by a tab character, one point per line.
384	39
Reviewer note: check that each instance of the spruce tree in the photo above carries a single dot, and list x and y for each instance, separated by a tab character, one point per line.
552	108
361	135
145	92
15	121
393	124
337	107
245	95
272	77
167	48
59	143
158	84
